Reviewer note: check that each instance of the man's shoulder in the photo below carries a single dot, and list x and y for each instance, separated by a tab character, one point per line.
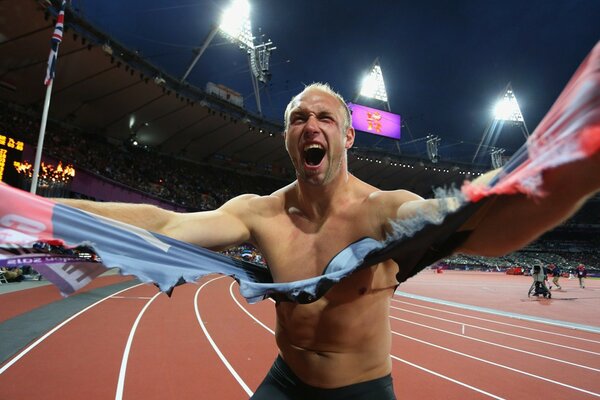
386	203
267	205
247	205
392	197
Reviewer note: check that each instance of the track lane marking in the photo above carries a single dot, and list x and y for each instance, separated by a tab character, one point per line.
214	345
499	322
246	311
497	364
123	370
57	327
496	344
546	342
447	378
547	321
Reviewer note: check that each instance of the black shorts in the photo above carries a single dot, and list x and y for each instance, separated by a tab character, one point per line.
282	384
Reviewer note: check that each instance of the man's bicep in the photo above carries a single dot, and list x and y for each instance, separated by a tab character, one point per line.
216	229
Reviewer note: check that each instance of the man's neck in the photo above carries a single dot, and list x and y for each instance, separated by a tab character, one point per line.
317	201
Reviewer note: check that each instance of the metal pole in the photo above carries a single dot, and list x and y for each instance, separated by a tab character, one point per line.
485	135
255	84
40	144
209	39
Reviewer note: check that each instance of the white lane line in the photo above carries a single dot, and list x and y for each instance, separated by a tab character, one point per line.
122	372
547	321
245	310
447	378
496	364
397	359
214	345
498	322
496	344
57	327
546	342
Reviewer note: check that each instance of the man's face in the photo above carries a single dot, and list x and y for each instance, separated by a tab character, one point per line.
315	139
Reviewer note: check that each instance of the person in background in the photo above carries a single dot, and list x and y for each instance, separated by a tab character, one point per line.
555	269
538	273
581	275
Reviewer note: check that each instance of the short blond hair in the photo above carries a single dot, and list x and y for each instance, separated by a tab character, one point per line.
323	87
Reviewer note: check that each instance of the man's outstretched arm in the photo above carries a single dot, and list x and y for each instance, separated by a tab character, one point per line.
513	221
216	229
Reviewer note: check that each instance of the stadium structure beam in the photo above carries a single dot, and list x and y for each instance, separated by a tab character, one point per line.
201	50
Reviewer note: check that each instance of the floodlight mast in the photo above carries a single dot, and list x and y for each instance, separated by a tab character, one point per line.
506	109
373	86
433	143
237	28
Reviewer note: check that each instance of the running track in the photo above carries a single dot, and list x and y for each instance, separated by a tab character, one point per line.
206	342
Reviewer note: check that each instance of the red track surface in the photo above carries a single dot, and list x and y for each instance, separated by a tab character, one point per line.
22	301
136	345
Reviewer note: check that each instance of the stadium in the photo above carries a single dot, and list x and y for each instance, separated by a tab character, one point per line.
121	128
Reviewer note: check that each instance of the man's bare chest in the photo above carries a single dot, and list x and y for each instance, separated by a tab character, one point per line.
297	248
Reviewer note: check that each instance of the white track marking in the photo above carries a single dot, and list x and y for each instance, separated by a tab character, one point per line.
246	311
123	370
497	344
496	364
498	322
214	345
447	378
546	342
393	357
57	327
506	314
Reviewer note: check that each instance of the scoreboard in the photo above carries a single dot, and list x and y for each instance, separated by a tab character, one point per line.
377	122
11	150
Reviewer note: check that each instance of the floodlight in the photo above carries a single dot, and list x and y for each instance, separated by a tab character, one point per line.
507	108
235	24
373	86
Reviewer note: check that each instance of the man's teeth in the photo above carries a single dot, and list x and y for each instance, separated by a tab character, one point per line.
313	146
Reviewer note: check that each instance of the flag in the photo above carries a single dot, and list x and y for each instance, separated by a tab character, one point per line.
57	36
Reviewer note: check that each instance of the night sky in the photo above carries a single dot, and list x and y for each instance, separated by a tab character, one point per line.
444	62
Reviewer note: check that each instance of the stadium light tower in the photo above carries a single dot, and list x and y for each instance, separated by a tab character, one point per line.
433	144
506	109
235	25
373	86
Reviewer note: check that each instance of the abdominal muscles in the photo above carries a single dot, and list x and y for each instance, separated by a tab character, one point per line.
342	338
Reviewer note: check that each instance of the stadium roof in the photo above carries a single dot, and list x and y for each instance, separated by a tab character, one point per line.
101	83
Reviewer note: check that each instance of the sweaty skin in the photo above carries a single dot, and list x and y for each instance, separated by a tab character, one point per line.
344	337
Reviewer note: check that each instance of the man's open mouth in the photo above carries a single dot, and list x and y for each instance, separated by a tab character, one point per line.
313	154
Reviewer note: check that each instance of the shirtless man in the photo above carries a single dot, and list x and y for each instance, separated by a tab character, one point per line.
338	346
